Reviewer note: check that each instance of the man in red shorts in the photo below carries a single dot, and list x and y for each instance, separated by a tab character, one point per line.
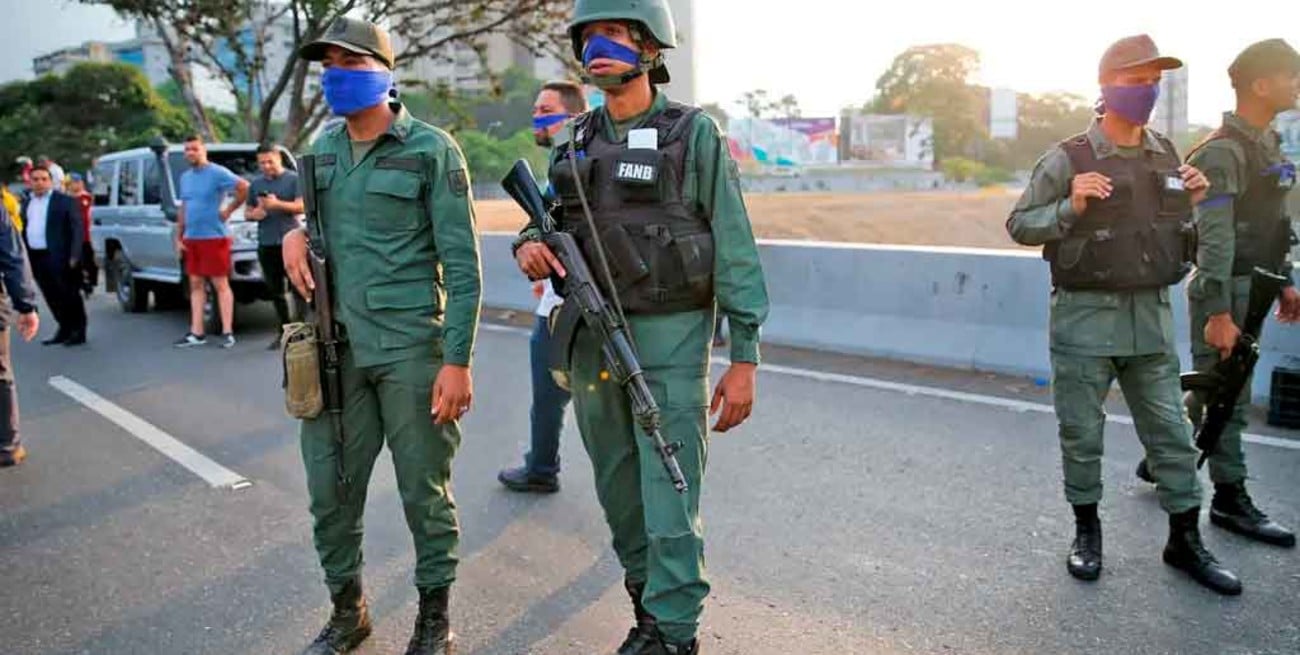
203	240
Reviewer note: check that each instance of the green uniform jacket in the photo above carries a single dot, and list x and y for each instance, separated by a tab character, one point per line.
712	184
1091	323
401	242
1224	163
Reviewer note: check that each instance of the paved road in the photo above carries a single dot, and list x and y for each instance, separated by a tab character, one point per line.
841	519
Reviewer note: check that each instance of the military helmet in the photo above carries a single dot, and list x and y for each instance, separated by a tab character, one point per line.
654	16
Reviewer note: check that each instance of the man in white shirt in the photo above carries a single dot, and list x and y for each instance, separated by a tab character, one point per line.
556	103
56	171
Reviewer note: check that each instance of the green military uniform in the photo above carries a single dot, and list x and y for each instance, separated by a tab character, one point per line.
1214	287
1243	225
394	218
1099	336
402	244
657	532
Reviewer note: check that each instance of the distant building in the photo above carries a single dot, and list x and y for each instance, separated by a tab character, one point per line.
61	61
147	53
1170	115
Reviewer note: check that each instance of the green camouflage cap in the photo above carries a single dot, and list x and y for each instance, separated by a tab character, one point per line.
354	34
1262	59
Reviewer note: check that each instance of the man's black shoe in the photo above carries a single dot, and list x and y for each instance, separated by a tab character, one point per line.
12	458
519	479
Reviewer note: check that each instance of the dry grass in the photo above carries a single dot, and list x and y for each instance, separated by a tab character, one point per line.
935	218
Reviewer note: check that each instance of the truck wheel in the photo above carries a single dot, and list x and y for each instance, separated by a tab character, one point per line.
132	295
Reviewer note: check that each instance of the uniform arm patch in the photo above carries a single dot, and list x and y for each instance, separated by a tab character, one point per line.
458	182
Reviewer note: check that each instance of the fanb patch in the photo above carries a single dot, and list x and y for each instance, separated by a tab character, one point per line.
458	182
633	172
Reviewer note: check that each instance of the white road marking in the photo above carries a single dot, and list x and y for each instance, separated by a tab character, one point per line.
1020	406
212	472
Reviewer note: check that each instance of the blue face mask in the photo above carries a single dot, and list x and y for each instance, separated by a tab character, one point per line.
543	123
600	47
349	91
1133	103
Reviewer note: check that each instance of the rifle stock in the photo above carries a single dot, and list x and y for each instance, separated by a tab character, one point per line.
580	288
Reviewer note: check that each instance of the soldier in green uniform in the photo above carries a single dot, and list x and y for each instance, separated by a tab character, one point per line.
1113	208
400	239
666	203
1242	225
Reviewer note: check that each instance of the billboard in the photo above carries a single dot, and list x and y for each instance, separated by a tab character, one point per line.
783	141
892	140
1170	114
1003	112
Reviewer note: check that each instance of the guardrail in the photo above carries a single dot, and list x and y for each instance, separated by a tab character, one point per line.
964	308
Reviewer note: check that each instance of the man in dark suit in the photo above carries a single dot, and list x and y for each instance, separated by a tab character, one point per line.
53	232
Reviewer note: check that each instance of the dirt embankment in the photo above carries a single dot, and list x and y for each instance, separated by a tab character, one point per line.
973	219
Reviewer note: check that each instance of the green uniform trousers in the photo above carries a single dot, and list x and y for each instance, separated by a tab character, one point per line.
389	402
1228	460
657	532
1150	384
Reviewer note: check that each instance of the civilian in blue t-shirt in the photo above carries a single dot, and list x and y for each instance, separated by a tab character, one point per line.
203	240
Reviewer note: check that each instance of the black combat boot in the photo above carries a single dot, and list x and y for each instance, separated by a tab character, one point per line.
646	631
432	634
348	626
658	646
1233	510
1186	552
1084	561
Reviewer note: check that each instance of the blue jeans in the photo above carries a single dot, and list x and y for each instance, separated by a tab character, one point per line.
549	402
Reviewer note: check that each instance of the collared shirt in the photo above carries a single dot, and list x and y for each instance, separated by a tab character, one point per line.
1090	323
403	213
38	208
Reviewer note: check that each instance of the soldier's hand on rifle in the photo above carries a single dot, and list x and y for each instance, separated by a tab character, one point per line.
1288	306
537	261
453	392
734	395
1222	334
1088	185
1195	182
295	263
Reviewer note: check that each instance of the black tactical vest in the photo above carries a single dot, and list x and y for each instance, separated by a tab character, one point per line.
660	250
1263	229
1141	237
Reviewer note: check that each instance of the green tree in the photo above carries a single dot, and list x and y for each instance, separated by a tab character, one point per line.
489	158
232	39
93	109
934	81
1041	122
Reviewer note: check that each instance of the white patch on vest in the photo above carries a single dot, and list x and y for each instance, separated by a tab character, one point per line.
640	172
1174	184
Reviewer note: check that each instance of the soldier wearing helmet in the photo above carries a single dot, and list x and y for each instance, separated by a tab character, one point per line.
651	182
